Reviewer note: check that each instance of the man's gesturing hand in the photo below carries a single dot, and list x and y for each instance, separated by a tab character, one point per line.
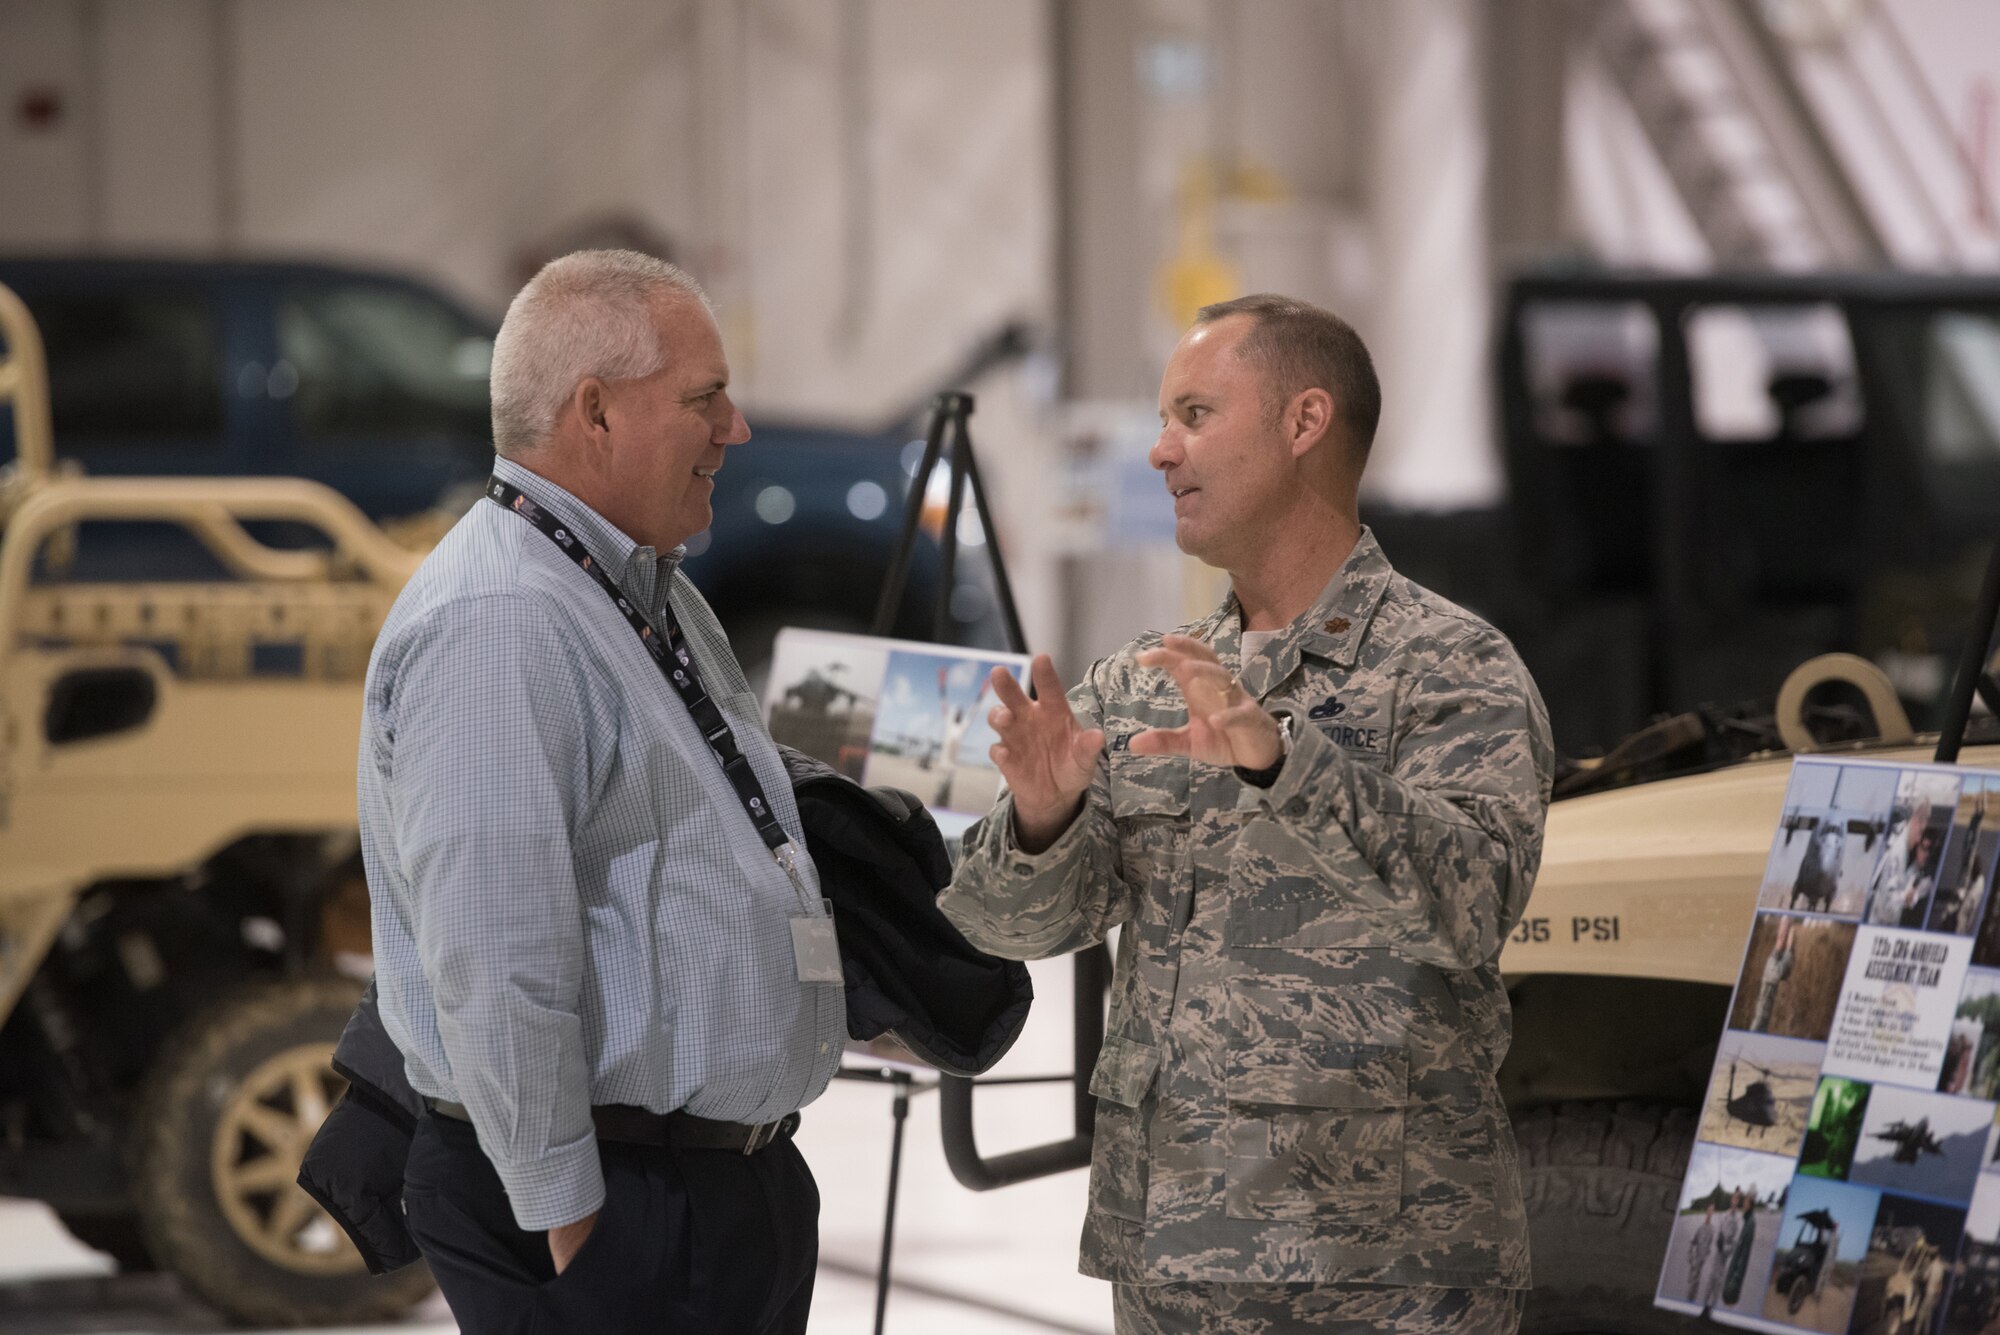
1045	757
1225	726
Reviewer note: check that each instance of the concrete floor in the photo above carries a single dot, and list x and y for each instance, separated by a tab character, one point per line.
994	1263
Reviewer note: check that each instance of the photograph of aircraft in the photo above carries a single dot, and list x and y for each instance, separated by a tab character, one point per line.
1921	1142
1910	1141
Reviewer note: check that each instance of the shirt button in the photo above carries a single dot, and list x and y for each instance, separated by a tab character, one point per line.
822	1049
1295	807
1023	867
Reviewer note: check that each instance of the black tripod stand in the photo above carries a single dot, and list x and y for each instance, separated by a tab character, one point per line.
948	414
948	433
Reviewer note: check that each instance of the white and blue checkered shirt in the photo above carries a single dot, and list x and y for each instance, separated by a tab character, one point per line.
570	905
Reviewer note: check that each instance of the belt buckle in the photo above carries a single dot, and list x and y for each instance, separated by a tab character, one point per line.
760	1136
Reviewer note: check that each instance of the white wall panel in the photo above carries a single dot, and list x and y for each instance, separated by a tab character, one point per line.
44	172
953	234
1429	321
161	97
371	130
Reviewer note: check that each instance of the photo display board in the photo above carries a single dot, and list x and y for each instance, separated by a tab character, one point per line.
1844	1175
893	713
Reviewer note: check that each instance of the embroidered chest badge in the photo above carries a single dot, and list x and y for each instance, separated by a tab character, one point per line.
1337	624
1326	709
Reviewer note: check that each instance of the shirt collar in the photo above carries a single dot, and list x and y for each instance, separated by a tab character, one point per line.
1332	628
641	570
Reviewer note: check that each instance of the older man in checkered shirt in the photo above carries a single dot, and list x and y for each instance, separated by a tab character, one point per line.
585	950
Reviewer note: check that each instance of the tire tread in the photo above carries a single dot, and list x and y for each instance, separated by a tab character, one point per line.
1601	1182
165	1158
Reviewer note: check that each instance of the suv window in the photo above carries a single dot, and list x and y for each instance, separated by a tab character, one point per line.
369	360
1962	388
1593	369
136	364
1776	372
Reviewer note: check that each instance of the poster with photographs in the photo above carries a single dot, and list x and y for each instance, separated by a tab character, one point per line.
892	713
1846	1171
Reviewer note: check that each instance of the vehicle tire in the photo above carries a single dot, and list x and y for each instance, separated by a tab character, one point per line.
1797	1298
1601	1183
116	1235
221	1124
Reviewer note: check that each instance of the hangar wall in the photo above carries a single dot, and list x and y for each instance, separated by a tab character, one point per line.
870	187
865	187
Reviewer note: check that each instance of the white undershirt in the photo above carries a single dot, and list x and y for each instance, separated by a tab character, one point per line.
1255	640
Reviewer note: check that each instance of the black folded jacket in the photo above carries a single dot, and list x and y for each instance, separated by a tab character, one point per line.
908	971
882	862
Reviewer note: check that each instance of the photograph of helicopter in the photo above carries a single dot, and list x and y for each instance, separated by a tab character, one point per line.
1817	1268
1926	1143
1760	1093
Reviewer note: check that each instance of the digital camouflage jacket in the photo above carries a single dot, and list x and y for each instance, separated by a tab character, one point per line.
1297	1081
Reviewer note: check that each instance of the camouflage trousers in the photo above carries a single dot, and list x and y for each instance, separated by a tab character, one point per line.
1278	1309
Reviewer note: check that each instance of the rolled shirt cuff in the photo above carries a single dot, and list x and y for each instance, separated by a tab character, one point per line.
1017	860
557	1188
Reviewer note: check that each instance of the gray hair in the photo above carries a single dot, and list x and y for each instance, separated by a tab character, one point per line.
590	313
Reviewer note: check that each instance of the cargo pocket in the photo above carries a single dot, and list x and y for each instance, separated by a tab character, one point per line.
1123	1075
1315	1132
1144	787
1149	804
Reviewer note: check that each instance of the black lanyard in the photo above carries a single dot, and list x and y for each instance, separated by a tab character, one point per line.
675	663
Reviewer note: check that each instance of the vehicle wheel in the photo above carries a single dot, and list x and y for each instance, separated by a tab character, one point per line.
1601	1182
222	1123
1797	1298
116	1235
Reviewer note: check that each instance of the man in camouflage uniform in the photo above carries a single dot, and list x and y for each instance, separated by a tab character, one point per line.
1317	817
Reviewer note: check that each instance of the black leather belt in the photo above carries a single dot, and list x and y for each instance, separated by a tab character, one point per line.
625	1125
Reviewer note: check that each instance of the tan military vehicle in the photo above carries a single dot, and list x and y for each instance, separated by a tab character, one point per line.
1910	1298
179	879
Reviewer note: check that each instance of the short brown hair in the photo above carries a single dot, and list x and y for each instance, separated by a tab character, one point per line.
1302	347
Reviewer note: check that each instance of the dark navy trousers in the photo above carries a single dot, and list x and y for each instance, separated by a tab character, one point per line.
688	1241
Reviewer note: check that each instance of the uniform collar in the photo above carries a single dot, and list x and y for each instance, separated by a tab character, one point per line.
1332	628
641	571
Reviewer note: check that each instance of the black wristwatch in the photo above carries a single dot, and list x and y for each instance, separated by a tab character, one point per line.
1264	778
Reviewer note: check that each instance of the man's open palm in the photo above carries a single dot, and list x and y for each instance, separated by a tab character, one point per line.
1046	758
1225	725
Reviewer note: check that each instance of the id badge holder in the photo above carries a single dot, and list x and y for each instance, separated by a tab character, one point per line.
816	949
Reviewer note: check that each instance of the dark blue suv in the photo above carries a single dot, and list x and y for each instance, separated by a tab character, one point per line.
377	386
